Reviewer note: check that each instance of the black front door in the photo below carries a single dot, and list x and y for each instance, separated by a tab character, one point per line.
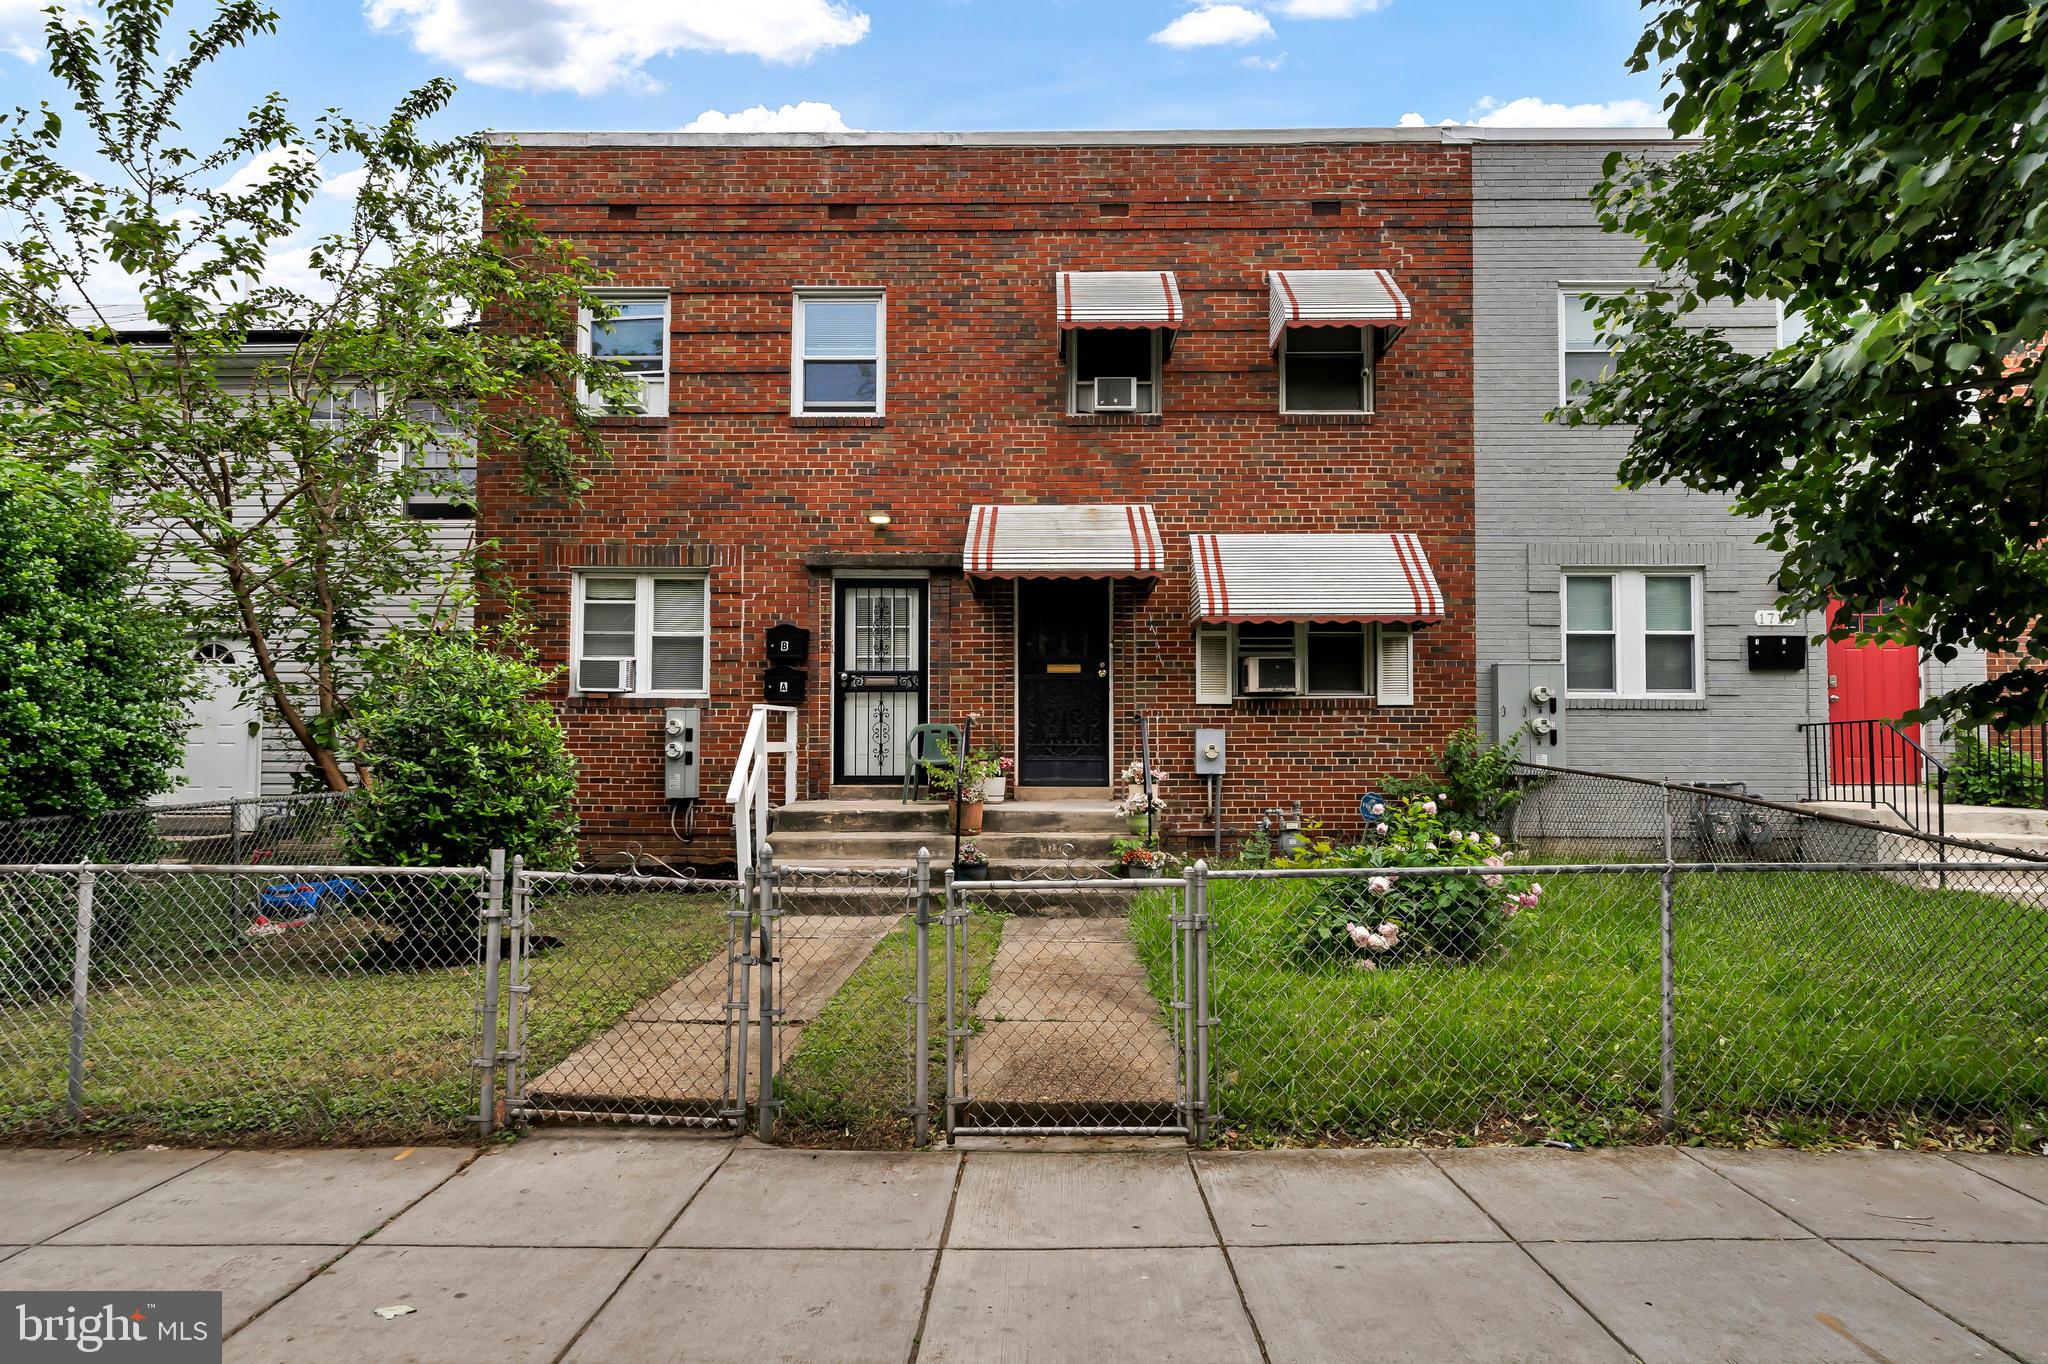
1062	682
879	678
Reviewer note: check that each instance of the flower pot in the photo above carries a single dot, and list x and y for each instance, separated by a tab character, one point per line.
967	817
1136	825
970	871
993	788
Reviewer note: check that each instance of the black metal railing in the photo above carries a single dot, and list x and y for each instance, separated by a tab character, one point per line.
1874	762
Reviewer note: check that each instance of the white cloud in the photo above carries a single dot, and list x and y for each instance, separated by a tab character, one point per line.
345	184
1414	121
257	168
810	116
590	46
22	23
1328	9
1257	63
1213	25
1530	112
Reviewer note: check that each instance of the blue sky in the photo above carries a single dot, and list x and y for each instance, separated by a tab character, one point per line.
641	64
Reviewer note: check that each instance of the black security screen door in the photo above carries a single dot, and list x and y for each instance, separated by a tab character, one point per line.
1063	682
880	677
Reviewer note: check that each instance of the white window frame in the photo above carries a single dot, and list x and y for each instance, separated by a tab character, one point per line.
653	388
798	406
1368	641
1568	291
427	505
643	632
1155	381
1368	338
1630	632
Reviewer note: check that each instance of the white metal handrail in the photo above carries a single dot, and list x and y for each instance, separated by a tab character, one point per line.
748	792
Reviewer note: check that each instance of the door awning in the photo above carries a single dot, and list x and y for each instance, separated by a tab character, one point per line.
1335	298
1313	577
1036	541
1117	298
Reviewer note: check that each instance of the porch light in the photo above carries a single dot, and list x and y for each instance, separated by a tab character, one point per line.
879	517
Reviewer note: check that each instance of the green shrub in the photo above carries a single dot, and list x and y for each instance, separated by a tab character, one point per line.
1983	774
93	678
39	931
1475	783
463	756
1366	921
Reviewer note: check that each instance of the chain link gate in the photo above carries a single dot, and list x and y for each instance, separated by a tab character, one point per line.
628	998
1054	1022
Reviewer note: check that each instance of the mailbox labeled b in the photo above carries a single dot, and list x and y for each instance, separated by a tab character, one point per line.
788	643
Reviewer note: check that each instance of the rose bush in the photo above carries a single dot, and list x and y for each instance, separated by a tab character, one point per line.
1369	921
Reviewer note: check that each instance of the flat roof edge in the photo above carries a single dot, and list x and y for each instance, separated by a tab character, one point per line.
1163	137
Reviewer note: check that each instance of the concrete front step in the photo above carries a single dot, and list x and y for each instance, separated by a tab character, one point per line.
885	816
880	848
1984	821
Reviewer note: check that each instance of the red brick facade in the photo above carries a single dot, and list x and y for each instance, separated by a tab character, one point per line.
966	240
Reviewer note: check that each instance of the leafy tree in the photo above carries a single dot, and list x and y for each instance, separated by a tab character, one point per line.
252	415
1876	168
93	679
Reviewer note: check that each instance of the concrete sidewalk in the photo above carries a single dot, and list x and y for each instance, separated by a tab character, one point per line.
617	1247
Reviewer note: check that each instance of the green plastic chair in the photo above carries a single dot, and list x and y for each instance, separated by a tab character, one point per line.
915	748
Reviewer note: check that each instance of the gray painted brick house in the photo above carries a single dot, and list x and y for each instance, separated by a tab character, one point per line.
1666	571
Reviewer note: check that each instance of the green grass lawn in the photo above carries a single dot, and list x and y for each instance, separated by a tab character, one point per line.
848	1077
1829	996
196	1032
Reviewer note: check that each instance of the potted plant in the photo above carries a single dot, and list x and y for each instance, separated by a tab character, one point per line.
1133	858
998	782
971	864
963	783
1133	807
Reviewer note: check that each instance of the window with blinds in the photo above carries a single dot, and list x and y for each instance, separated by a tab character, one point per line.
658	627
838	362
630	336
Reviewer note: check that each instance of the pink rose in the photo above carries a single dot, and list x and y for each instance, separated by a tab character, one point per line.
1379	885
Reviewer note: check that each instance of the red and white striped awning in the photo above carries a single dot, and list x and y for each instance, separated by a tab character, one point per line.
1334	298
1117	298
1036	541
1313	577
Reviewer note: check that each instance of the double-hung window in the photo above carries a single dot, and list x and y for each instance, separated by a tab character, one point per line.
632	339
839	364
442	465
1632	633
1587	355
645	635
1326	369
1298	658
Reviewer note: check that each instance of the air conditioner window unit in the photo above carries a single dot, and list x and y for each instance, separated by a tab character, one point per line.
604	674
1270	674
1116	395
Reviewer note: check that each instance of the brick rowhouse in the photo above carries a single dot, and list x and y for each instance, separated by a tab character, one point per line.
965	235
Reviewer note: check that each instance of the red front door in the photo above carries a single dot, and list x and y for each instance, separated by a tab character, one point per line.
1871	682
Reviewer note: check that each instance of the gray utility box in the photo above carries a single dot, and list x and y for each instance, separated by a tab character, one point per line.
1531	694
679	728
1208	752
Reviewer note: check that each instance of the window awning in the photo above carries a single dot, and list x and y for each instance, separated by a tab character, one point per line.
1111	541
1335	298
1313	577
1118	298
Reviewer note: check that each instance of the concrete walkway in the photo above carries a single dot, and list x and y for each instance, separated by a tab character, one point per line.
620	1247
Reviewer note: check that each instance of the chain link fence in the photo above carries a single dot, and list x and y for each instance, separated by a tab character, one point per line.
1067	1007
282	831
626	999
224	1004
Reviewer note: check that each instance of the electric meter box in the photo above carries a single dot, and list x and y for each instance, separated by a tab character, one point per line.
1532	695
679	729
1208	752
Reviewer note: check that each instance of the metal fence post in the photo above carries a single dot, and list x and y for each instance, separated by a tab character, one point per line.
921	1008
513	1054
1667	1029
81	976
766	953
1198	951
956	1061
487	1059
